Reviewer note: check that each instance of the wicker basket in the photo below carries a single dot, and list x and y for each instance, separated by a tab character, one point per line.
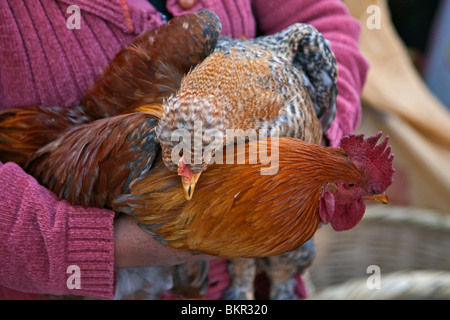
426	284
411	247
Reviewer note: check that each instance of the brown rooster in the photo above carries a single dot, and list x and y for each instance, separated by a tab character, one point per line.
264	215
258	217
284	83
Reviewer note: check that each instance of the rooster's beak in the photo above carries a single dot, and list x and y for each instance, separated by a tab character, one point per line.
381	198
189	184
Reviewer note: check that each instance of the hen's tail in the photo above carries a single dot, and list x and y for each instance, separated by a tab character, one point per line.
314	56
24	130
311	53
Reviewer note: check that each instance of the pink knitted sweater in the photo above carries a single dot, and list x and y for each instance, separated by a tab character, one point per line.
45	63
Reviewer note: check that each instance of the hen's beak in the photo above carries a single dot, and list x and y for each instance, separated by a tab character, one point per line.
381	198
189	184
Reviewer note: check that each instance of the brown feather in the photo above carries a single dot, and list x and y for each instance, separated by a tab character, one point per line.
190	279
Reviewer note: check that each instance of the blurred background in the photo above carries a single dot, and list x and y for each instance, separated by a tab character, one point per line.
407	96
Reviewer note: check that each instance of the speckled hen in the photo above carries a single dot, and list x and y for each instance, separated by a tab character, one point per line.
286	81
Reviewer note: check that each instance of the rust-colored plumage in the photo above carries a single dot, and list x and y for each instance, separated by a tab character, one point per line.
94	163
237	211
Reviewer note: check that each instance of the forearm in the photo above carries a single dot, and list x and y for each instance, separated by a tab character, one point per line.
41	237
134	247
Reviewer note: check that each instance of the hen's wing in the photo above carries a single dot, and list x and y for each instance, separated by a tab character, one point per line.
315	57
151	67
25	130
95	162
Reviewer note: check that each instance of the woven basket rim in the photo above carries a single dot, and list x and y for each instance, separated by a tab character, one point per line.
423	217
412	284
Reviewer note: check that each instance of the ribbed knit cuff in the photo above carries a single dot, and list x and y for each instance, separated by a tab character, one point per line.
48	246
90	247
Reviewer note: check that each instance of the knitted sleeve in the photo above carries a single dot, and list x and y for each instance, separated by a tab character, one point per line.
49	246
333	20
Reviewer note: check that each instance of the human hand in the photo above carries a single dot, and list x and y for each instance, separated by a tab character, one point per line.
134	247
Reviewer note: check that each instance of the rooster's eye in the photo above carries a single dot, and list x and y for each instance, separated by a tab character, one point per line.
349	185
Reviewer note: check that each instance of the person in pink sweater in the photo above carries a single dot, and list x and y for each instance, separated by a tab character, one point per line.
43	62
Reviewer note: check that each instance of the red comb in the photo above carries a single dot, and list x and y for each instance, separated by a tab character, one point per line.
367	156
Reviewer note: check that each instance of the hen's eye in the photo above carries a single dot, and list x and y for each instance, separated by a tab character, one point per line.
349	185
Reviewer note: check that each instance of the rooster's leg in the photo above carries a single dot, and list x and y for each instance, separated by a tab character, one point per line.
242	274
281	273
282	269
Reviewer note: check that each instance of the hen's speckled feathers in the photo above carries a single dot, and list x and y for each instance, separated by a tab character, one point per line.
286	81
